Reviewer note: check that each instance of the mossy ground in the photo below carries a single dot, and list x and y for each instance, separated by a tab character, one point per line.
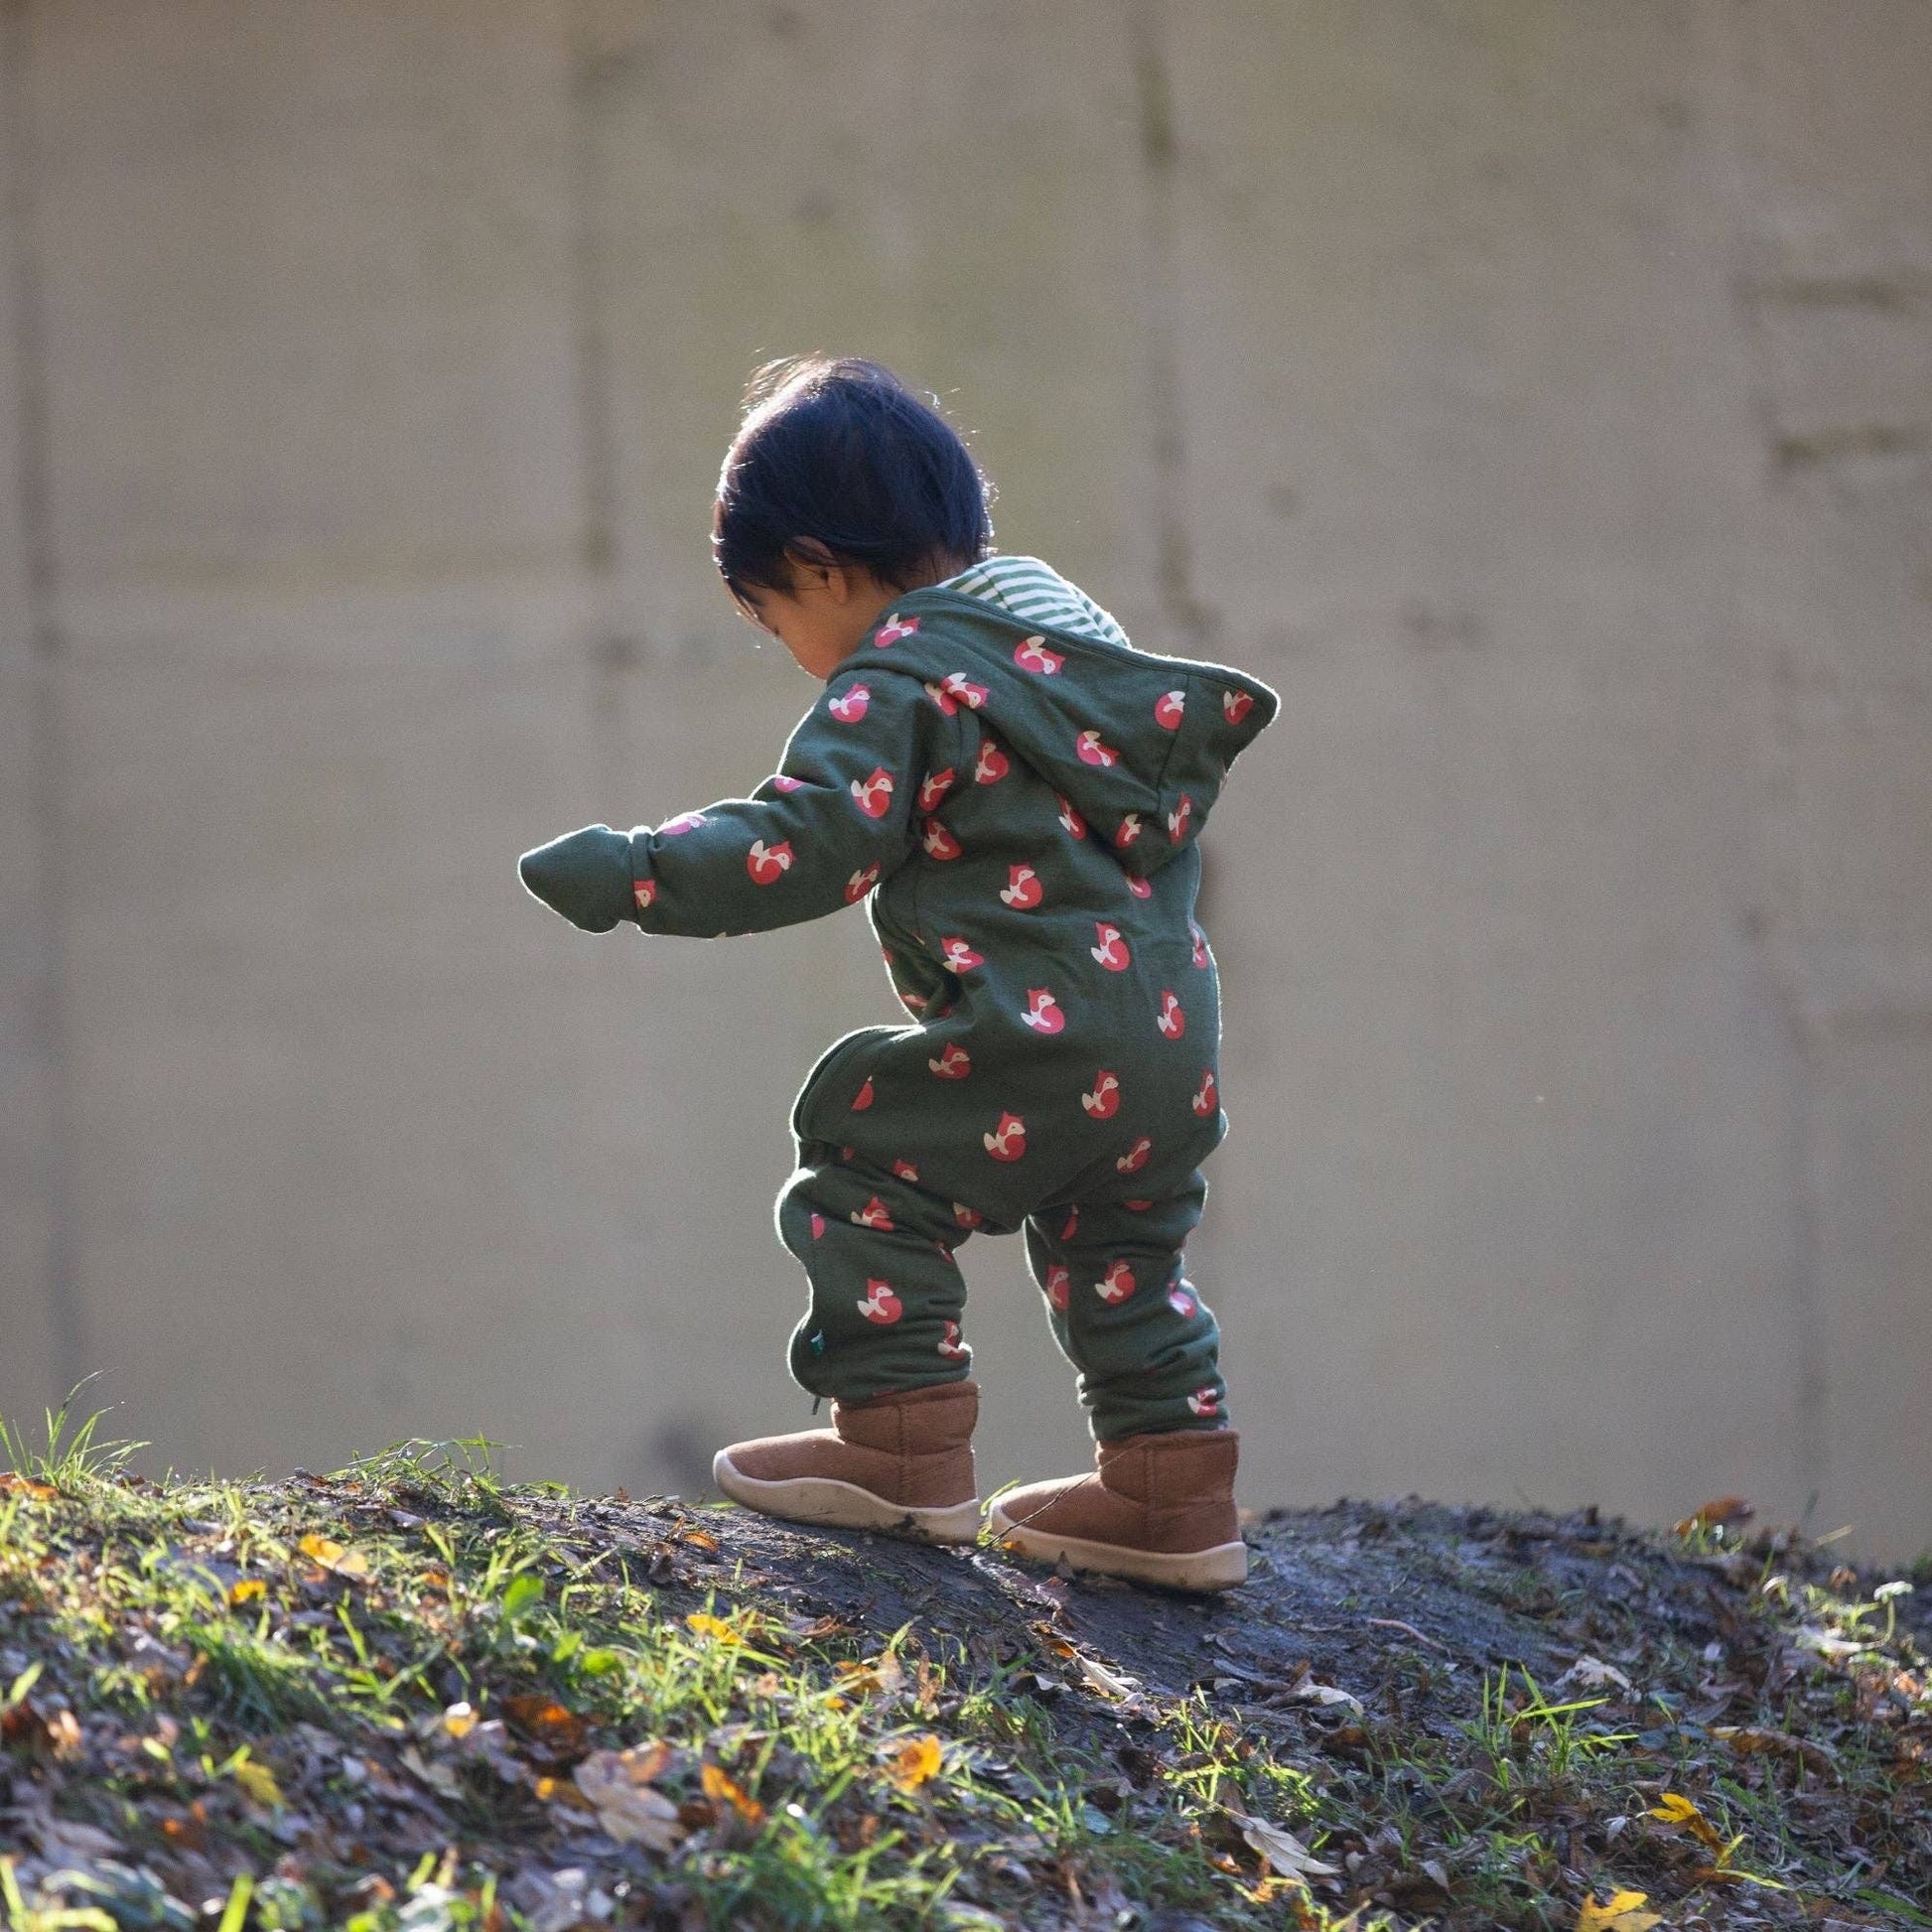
407	1695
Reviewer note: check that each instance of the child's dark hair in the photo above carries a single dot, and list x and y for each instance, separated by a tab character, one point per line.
839	452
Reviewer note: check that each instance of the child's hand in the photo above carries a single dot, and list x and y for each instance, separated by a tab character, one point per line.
585	876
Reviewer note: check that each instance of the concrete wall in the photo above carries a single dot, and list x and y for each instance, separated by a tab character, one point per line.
1537	393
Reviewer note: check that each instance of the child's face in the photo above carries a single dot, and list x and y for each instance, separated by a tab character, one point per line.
825	616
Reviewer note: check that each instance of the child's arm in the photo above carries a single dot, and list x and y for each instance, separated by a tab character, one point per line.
835	820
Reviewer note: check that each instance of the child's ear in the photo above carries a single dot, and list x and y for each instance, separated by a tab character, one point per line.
815	564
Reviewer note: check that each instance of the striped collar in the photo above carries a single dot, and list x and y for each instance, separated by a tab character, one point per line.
1038	594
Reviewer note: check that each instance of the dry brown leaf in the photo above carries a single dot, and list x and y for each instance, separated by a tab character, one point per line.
720	1788
436	1773
1745	1740
618	1785
1718	1514
1591	1674
883	1674
1284	1853
1108	1683
818	1630
555	1731
1308	1690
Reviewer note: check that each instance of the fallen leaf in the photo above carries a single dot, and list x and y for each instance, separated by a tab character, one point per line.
247	1592
1721	1874
434	1772
259	1783
707	1625
1265	1891
1591	1674
1621	1912
818	1630
190	1832
618	1785
556	1731
337	1558
1284	1852
1308	1690
1718	1514
883	1674
1107	1683
914	1762
1827	1643
718	1787
13	1484
1680	1814
1745	1740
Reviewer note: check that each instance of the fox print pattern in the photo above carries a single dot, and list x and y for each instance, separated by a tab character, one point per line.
1019	808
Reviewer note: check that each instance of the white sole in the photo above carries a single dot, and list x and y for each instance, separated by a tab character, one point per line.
1220	1567
844	1505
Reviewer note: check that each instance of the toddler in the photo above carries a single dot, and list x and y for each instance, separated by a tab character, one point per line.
1016	793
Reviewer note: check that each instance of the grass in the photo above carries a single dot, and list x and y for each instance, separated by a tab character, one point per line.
408	1696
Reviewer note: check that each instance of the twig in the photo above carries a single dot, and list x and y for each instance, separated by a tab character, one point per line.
1409	1630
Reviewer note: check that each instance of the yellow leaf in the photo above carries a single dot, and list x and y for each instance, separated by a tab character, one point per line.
259	1783
720	1789
1678	1811
247	1592
334	1556
914	1763
707	1625
882	1674
1266	1892
1620	1913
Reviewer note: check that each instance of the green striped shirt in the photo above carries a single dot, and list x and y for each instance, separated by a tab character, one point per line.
1036	594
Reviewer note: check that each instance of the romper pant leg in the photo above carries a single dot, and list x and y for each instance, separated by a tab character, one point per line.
1146	1345
886	1295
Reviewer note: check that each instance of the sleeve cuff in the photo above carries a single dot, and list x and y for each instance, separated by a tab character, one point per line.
643	882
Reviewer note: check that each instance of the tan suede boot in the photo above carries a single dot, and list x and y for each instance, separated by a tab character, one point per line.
894	1462
1157	1508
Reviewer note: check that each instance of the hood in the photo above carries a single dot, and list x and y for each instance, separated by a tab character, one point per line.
1139	746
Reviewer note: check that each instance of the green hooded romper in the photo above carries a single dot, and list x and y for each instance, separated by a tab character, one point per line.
1019	806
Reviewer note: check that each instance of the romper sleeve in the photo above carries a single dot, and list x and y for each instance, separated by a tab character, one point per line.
833	821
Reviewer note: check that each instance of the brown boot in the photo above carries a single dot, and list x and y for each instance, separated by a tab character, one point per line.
892	1462
1159	1508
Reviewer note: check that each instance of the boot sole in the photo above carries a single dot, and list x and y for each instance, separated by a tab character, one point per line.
844	1505
1221	1567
